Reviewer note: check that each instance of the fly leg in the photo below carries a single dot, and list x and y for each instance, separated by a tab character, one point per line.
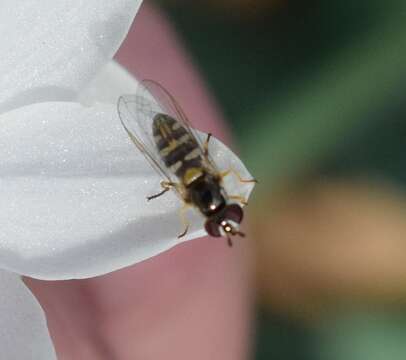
206	145
237	175
239	198
166	186
234	172
184	221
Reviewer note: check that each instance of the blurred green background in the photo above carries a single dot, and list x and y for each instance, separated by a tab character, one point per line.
314	93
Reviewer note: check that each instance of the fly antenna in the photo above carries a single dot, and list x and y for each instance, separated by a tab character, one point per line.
239	233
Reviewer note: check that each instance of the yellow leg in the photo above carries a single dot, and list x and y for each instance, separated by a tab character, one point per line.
237	175
166	186
239	198
206	144
185	222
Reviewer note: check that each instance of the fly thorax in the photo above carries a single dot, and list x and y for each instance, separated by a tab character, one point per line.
206	195
192	175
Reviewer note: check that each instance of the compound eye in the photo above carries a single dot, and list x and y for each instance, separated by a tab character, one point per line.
212	228
234	213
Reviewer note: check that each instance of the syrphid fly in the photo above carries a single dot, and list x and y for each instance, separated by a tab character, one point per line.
159	128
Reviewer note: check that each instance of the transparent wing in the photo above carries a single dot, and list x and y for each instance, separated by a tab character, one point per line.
136	113
170	106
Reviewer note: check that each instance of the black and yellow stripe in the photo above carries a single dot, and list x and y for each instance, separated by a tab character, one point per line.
177	148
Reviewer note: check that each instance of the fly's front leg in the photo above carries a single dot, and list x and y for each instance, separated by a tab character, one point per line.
183	219
239	198
166	186
237	175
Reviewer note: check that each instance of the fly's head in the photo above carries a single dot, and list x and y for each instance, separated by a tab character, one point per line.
226	223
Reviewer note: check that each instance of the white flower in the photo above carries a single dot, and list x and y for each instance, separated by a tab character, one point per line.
72	186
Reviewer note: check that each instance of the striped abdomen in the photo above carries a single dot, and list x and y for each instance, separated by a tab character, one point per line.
176	146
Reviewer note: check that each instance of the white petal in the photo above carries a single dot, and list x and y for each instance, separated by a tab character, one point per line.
111	81
73	191
23	330
51	49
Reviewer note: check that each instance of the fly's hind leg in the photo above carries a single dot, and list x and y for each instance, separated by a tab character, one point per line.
183	219
166	186
237	175
206	145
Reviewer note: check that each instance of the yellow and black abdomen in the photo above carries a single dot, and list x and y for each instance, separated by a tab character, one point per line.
177	148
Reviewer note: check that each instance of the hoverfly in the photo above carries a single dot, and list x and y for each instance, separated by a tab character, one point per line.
162	132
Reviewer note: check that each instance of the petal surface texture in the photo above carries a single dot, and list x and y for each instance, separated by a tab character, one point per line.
53	48
73	190
23	329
